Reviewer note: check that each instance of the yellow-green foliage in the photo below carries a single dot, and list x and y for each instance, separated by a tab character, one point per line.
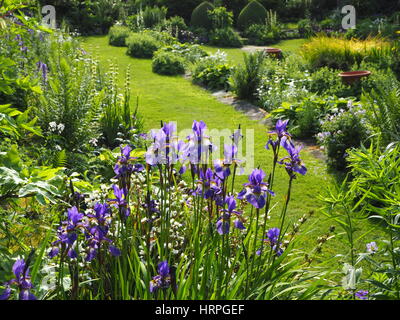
339	53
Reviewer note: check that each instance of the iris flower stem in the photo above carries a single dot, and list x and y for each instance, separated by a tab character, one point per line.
61	274
284	211
268	202
233	177
255	240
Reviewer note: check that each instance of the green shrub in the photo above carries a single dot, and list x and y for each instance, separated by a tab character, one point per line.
253	13
168	63
246	77
118	122
328	24
142	45
259	35
342	131
153	16
117	35
163	37
382	104
191	53
174	25
375	175
226	37
285	80
326	81
200	17
307	114
305	28
212	71
71	98
221	18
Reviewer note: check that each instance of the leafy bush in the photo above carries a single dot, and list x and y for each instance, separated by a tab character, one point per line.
117	35
367	28
326	81
174	25
221	18
191	53
375	173
153	16
345	129
307	114
141	45
382	104
259	35
200	17
226	37
253	13
212	71
305	27
285	80
70	100
197	35
163	37
246	77
117	123
168	63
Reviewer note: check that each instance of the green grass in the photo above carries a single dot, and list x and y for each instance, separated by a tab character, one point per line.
235	55
174	98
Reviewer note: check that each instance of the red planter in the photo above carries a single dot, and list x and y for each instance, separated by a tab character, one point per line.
353	76
275	52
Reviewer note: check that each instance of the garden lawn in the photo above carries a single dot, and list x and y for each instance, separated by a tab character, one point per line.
174	98
235	55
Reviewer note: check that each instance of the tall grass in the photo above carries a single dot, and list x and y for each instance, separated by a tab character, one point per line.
339	53
247	76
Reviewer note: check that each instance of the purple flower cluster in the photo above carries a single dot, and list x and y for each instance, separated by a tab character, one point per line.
223	223
272	240
277	135
21	44
292	163
22	281
67	234
163	279
125	167
209	185
256	189
42	67
94	227
120	202
168	149
97	228
362	295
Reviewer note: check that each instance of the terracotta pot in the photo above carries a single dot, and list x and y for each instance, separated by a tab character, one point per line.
277	53
353	76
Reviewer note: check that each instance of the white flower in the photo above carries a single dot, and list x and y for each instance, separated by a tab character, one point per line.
52	126
93	142
60	128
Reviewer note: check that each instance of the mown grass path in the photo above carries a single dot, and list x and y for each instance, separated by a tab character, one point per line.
177	99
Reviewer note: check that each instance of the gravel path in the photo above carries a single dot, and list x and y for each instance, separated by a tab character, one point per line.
253	48
255	113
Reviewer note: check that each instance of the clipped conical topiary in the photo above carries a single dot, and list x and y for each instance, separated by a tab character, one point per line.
253	13
200	16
